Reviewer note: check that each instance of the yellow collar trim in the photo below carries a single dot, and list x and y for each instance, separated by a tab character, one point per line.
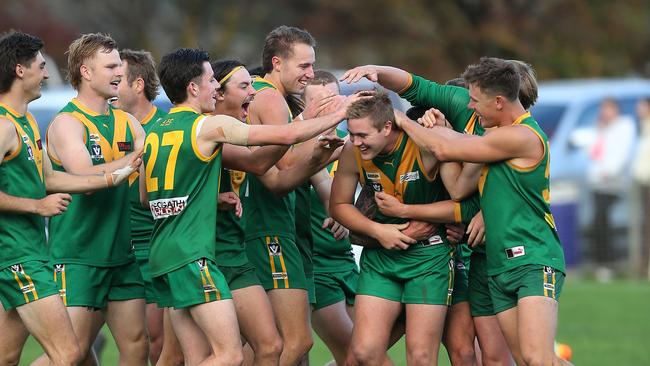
521	118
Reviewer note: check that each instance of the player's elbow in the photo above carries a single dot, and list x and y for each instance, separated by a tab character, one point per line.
441	151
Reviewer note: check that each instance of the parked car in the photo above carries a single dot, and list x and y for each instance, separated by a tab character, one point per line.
567	111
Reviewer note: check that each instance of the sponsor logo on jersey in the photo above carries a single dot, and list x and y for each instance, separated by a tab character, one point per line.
39	144
279	275
166	207
96	152
409	177
514	252
124	146
17	268
460	265
62	292
549	286
434	240
94	137
30	153
391	163
274	249
373	176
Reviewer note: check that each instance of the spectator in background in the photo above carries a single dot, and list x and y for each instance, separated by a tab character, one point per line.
610	153
641	175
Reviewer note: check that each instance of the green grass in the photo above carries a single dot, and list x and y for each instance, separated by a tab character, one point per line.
605	324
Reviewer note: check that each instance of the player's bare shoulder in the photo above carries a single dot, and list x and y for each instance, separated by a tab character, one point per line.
268	107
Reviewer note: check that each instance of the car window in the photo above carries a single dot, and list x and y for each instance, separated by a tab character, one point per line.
589	115
548	116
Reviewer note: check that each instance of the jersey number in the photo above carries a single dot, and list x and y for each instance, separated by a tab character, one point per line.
173	139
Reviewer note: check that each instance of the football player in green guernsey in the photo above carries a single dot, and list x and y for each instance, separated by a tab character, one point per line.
395	274
278	239
90	244
183	201
525	261
26	176
254	312
135	95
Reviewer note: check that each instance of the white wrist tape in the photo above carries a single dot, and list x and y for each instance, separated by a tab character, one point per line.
119	175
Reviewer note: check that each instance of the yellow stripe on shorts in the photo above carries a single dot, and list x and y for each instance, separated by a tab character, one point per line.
20	286
32	286
271	262
216	289
284	268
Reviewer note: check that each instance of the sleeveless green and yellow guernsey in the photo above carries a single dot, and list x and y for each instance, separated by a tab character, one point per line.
141	219
22	237
519	226
230	250
401	174
182	186
330	255
267	214
95	230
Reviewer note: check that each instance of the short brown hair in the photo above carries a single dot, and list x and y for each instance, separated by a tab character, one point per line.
494	76
83	48
378	107
279	42
141	65
527	83
323	77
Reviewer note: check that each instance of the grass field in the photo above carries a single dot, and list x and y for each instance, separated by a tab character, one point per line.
604	323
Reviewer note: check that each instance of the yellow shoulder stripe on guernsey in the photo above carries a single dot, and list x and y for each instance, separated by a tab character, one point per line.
538	162
24	137
195	145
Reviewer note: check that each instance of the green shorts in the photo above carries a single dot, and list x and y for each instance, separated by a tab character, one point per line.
420	275
239	277
529	280
24	283
461	273
277	262
311	287
333	287
141	253
94	287
195	283
480	302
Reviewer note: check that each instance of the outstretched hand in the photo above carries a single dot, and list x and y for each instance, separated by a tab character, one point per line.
355	74
229	201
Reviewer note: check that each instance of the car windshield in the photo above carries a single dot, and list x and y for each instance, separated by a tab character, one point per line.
548	116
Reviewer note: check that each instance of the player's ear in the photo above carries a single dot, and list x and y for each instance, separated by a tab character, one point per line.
221	94
499	102
388	127
276	62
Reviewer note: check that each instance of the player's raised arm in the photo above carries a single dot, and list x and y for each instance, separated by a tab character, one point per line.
389	77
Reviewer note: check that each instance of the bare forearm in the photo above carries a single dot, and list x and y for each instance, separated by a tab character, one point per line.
265	157
392	78
70	183
281	182
437	212
350	217
17	205
305	130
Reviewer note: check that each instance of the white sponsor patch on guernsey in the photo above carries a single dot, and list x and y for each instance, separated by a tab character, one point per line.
166	207
373	176
515	252
409	177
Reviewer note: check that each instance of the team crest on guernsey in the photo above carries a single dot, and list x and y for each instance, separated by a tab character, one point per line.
377	187
59	268
96	152
17	268
274	248
202	264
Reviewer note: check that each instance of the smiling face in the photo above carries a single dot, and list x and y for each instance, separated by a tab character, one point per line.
484	105
206	87
297	68
102	73
367	138
236	95
33	75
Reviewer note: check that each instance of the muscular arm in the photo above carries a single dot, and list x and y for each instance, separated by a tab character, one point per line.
66	143
389	77
461	180
511	142
256	161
